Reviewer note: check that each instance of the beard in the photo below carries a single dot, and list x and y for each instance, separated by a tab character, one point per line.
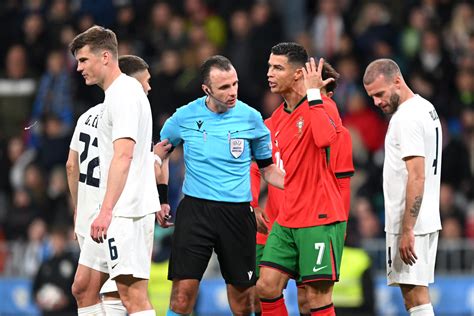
393	103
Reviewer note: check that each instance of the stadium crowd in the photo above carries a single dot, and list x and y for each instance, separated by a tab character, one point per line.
41	94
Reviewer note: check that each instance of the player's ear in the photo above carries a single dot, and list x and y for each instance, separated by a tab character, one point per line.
298	74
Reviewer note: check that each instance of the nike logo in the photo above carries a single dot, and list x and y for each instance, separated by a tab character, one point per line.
250	273
390	272
114	265
318	269
276	134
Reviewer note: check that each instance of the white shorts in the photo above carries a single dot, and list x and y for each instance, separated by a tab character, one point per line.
422	272
109	285
127	249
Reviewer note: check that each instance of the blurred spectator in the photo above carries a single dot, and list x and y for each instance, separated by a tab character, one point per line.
365	121
58	15
52	284
448	207
17	88
368	222
411	35
36	41
266	31
102	12
327	29
435	66
157	34
200	14
54	96
38	248
373	24
20	215
168	95
55	142
239	50
60	213
19	158
348	82
459	28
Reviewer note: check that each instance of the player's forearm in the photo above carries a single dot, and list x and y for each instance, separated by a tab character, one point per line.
163	177
118	174
274	176
254	184
414	198
72	172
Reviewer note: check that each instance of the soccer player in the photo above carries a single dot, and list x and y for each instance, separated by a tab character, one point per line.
83	179
121	236
220	134
308	235
340	161
411	183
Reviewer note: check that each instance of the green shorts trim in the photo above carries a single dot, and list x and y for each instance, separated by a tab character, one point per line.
259	255
310	253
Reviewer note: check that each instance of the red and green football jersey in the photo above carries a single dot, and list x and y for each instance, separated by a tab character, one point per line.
303	137
341	154
275	195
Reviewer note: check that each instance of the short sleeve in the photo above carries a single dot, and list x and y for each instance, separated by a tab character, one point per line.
74	145
411	137
261	144
171	130
125	116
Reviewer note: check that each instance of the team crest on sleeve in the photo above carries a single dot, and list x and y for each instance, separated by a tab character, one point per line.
237	147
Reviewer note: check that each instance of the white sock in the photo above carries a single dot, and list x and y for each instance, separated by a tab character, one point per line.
94	310
114	308
422	310
150	312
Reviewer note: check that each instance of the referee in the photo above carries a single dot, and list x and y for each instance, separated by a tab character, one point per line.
220	135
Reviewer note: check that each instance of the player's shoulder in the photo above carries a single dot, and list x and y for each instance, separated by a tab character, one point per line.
92	111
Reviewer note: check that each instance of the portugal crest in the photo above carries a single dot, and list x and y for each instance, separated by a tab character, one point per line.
299	125
237	147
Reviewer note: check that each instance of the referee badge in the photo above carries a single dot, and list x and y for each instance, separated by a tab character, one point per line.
237	147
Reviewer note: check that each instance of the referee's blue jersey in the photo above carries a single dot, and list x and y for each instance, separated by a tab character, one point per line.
218	149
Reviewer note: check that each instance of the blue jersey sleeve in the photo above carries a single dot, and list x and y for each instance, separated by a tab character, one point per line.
261	144
171	130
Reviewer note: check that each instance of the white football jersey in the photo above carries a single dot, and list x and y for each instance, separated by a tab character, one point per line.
127	114
414	130
84	142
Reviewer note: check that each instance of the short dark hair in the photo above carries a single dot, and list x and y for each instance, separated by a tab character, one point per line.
131	64
216	61
295	53
98	38
384	66
329	72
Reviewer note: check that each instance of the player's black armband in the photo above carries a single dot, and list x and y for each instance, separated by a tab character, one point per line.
262	163
163	192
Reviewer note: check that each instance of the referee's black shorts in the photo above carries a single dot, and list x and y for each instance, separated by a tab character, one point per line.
203	225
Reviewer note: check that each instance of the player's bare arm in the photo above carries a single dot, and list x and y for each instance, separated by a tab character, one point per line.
72	171
163	215
118	173
273	175
414	198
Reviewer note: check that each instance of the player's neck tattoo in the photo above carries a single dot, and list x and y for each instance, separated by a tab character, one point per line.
415	209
